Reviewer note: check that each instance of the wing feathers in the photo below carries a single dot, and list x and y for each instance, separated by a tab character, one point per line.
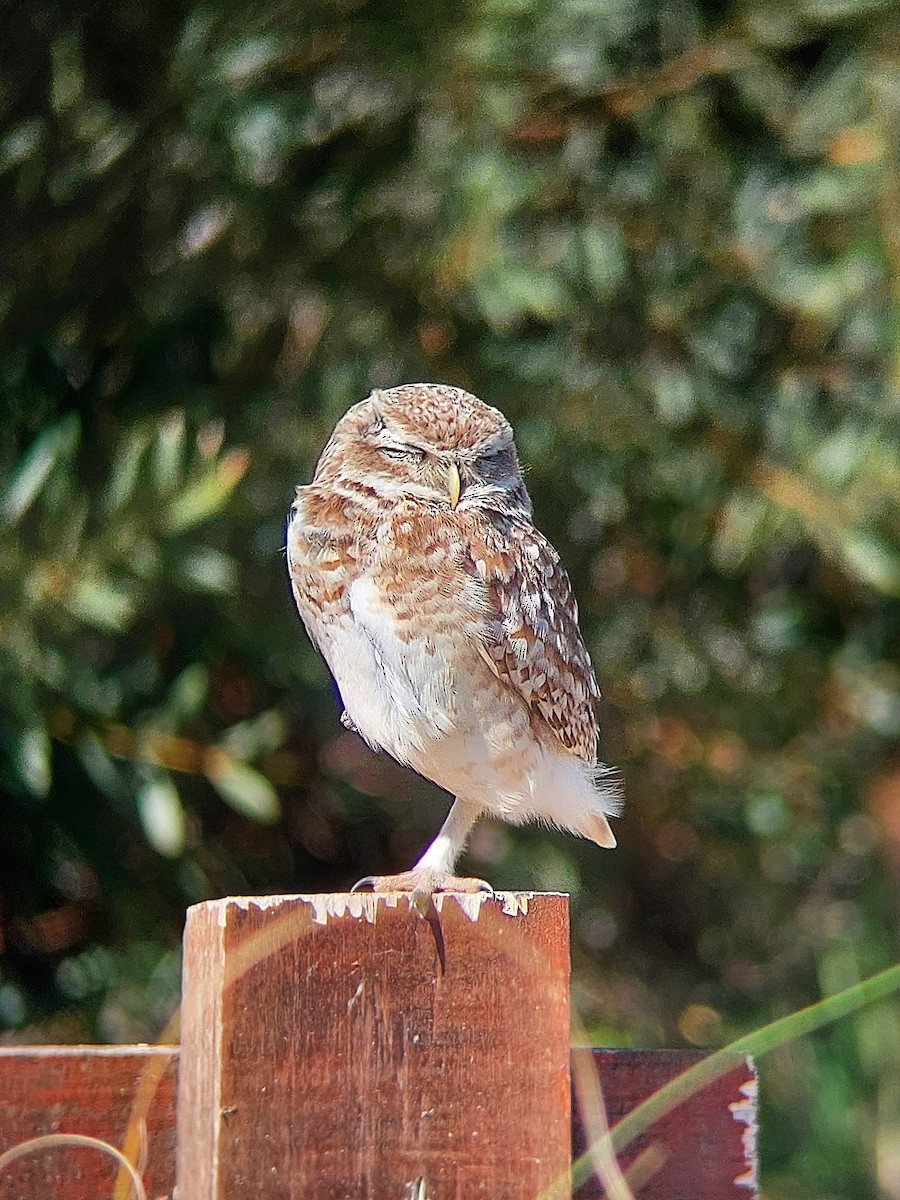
533	643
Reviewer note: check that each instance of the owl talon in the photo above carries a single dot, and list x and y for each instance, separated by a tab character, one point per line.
366	884
421	884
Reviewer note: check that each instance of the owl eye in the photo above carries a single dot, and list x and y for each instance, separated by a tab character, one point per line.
401	454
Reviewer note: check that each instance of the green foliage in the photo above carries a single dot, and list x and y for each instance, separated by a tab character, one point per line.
665	242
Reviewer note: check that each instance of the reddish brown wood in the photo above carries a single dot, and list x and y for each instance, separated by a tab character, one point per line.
94	1090
707	1145
325	1054
339	1051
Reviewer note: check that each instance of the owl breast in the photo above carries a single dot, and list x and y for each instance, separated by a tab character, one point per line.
382	618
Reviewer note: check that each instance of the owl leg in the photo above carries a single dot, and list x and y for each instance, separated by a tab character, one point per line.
434	870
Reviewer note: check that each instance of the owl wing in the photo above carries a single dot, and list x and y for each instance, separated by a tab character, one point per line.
533	643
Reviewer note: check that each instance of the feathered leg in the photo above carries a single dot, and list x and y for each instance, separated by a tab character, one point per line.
434	870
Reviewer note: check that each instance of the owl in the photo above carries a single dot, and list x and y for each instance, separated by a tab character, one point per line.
448	621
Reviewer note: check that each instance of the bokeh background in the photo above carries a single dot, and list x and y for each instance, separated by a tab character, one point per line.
665	240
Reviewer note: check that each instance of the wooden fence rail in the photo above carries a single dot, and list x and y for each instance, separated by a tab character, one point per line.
326	1053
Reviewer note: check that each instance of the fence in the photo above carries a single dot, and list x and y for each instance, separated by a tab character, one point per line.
341	1046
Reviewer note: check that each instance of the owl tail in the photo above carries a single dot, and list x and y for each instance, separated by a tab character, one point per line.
597	828
579	796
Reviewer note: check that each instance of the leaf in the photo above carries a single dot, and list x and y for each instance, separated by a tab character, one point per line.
125	473
739	529
188	693
168	453
26	481
605	262
208	494
205	569
100	602
509	293
872	561
835	100
22	141
241	63
33	759
98	765
162	816
248	739
245	790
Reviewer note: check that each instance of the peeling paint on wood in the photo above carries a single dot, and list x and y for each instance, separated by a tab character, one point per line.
349	1064
366	905
705	1153
744	1112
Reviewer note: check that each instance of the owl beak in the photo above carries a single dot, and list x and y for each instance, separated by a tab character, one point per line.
454	484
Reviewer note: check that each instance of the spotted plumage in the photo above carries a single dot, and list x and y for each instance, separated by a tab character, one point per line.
447	619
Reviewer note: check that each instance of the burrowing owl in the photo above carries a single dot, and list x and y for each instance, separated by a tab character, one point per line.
448	620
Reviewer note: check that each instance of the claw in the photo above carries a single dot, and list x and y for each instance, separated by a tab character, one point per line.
422	882
366	884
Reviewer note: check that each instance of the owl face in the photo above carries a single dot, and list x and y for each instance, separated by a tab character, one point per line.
439	445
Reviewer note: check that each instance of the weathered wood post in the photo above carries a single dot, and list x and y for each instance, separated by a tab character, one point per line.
325	1053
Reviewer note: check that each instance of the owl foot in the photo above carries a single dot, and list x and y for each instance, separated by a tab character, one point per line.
421	882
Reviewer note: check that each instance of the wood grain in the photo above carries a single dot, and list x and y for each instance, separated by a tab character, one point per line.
326	1055
91	1090
330	1056
95	1089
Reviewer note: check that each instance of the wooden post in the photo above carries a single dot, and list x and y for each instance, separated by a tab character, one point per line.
125	1095
326	1054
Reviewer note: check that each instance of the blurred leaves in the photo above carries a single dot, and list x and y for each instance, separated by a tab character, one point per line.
162	815
246	790
666	244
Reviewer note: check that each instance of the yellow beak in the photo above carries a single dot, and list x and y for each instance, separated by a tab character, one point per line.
454	484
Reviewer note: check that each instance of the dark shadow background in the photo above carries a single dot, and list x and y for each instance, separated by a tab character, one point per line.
667	245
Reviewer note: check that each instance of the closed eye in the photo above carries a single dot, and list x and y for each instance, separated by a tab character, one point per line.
401	453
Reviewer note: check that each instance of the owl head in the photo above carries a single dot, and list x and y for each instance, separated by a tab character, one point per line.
428	442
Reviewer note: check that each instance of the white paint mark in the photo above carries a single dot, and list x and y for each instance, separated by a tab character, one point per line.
246	903
515	903
342	904
469	902
365	905
744	1111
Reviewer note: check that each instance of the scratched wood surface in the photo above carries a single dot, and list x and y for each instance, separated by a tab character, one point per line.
319	1074
93	1090
326	1053
708	1142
